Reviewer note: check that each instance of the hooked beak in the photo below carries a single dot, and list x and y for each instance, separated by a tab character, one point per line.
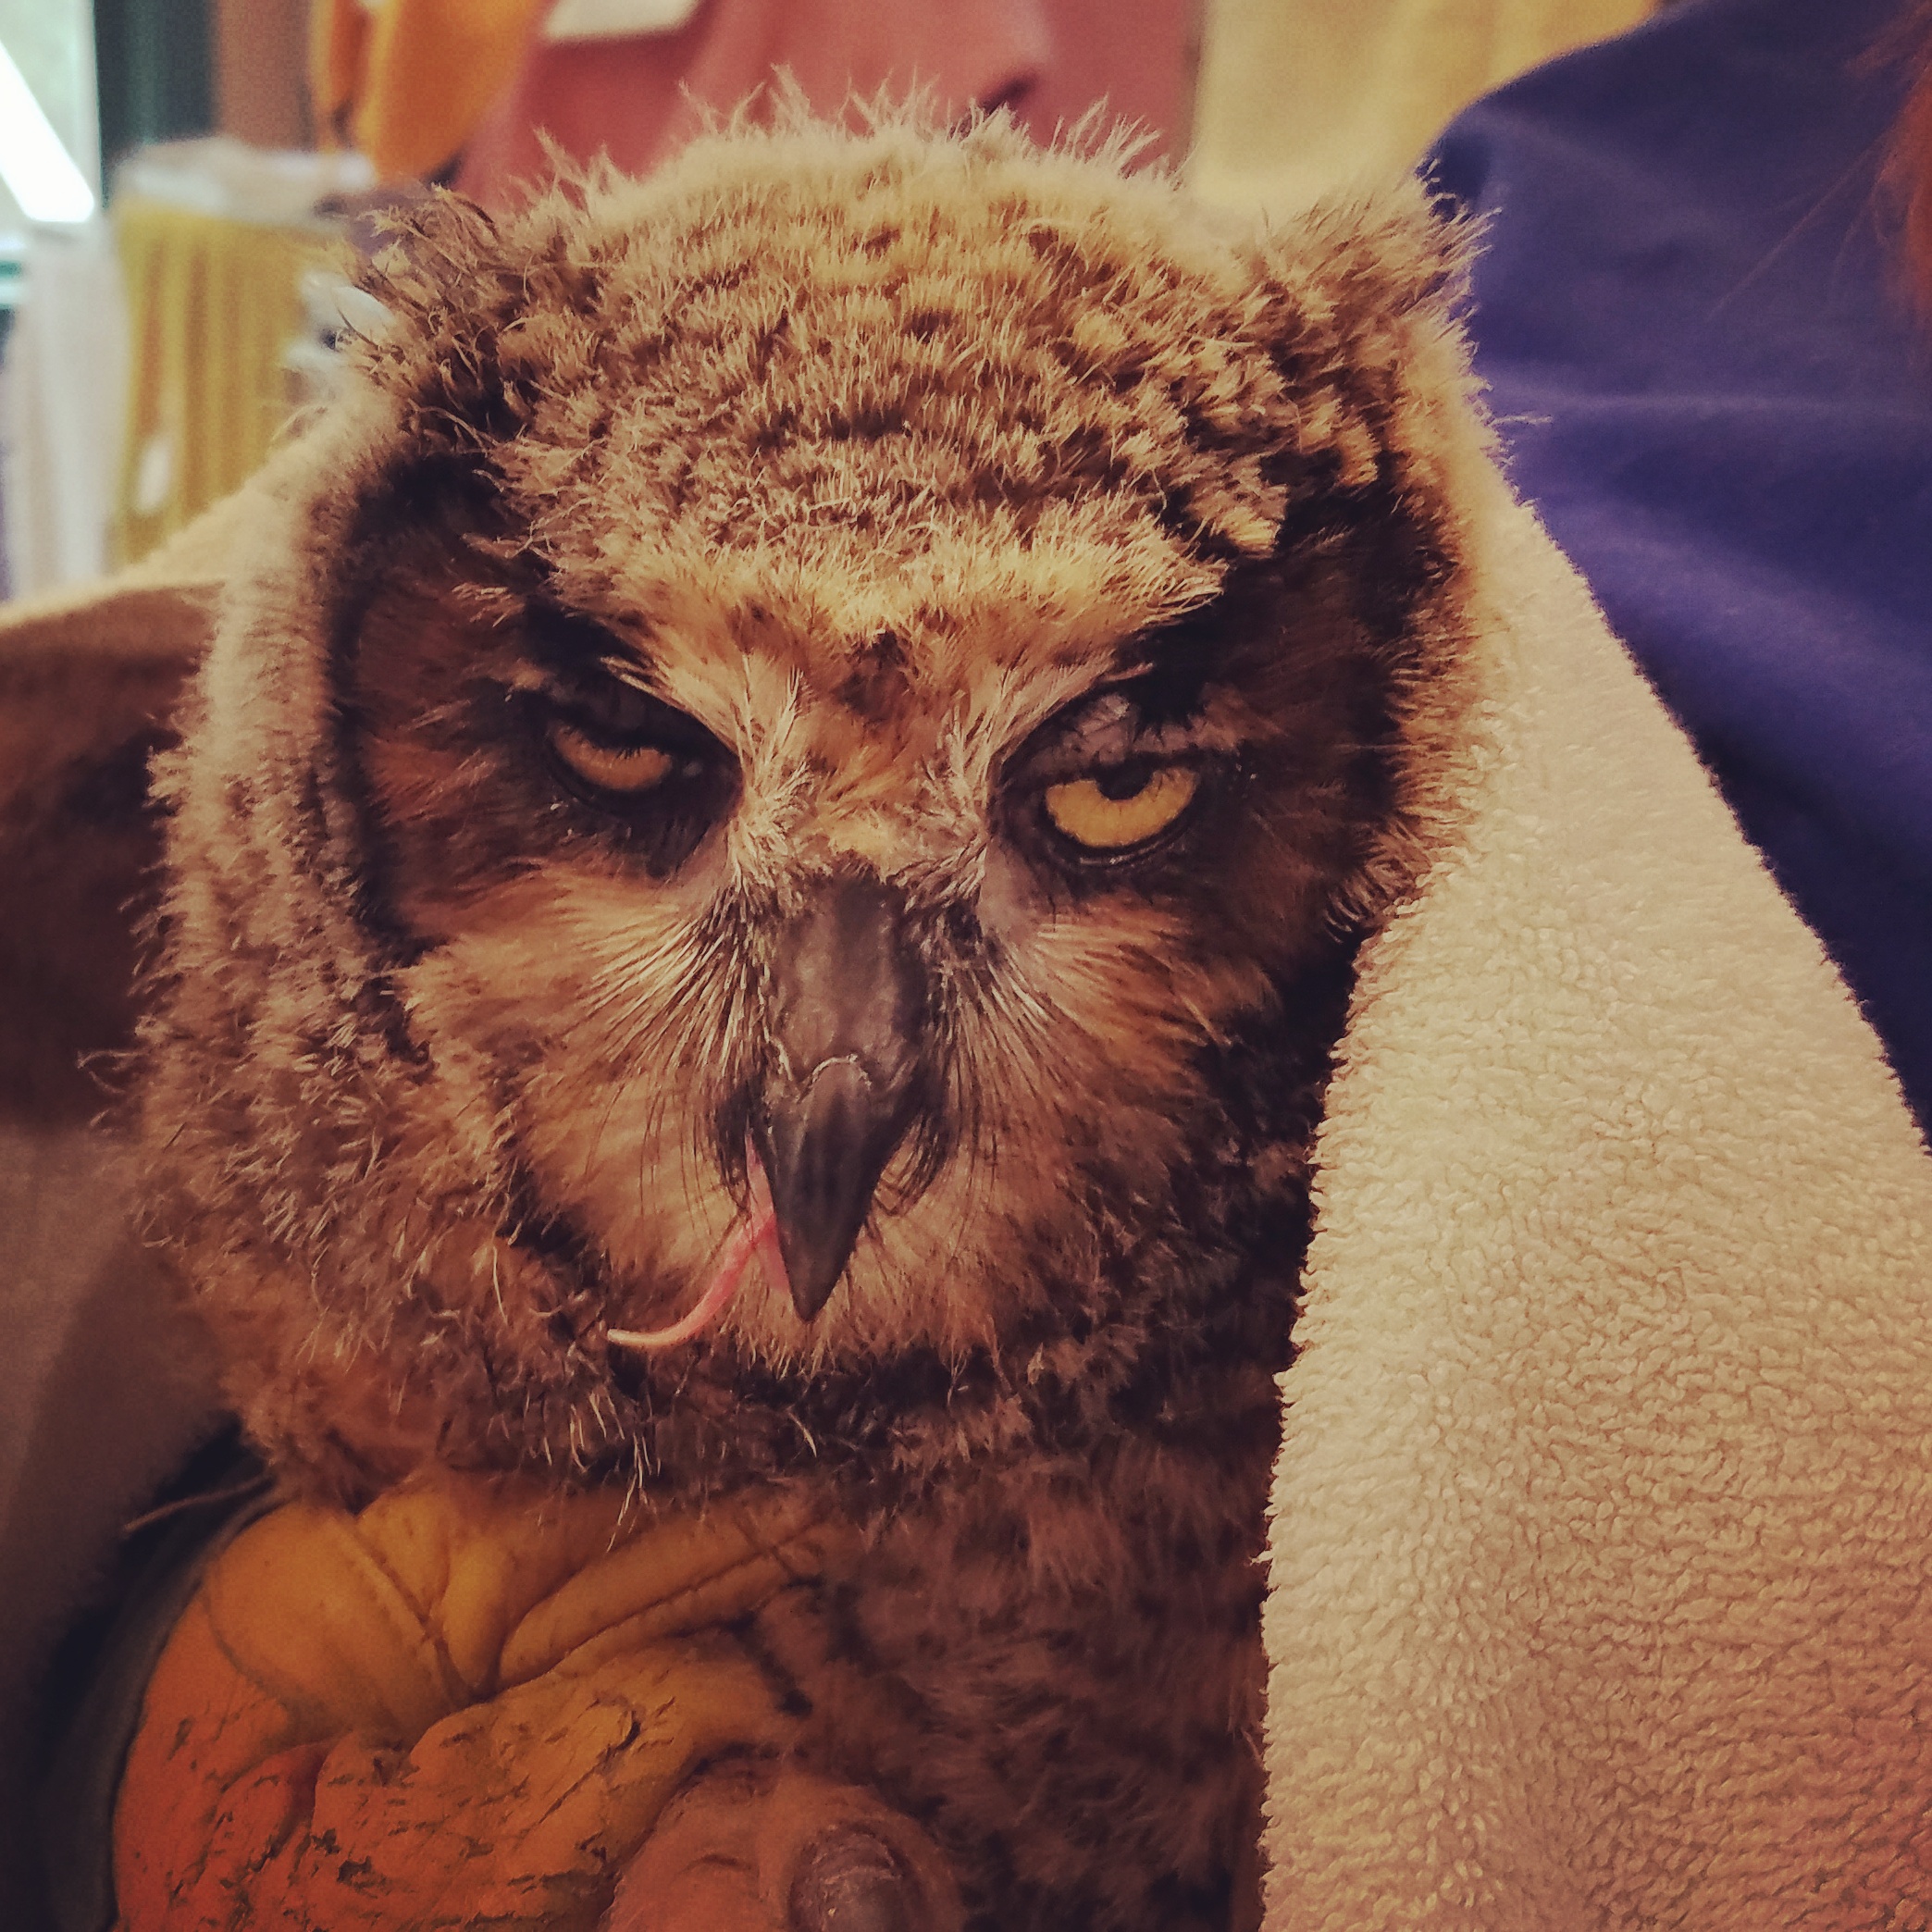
849	1009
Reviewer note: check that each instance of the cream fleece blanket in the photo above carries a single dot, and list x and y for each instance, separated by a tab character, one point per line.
1601	1579
1602	1554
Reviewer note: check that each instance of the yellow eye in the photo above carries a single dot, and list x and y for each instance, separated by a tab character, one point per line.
628	769
1121	808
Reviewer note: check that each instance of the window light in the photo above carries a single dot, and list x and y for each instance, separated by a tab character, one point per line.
34	163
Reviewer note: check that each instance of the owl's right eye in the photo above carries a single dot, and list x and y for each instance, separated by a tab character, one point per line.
626	770
605	730
661	778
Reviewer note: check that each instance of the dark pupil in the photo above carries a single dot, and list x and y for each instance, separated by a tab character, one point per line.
1123	781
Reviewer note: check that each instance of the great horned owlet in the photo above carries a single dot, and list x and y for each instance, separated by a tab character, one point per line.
888	674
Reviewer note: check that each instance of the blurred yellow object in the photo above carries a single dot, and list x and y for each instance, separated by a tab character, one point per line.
407	82
1297	101
213	303
468	1704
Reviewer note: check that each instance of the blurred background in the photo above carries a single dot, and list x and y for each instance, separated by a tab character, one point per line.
184	183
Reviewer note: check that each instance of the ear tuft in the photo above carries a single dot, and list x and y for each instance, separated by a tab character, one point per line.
445	290
1363	300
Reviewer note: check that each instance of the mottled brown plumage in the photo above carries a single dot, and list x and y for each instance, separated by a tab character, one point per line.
889	492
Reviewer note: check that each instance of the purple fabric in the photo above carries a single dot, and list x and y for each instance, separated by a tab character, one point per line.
1688	315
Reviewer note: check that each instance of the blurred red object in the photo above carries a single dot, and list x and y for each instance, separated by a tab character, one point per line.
640	97
1909	168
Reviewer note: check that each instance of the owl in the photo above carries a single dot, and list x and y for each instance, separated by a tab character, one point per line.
764	876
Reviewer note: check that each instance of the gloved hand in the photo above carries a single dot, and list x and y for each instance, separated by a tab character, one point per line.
474	1702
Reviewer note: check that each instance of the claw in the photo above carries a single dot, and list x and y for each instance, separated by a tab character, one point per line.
746	1849
849	1881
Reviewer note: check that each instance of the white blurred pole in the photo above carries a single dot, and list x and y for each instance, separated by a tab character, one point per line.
62	424
38	170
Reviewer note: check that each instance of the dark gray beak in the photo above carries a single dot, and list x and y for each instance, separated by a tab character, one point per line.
849	1009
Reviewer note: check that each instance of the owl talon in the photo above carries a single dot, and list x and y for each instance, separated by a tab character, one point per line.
849	1881
748	1849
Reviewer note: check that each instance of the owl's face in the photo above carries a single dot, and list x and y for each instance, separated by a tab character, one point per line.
888	672
940	913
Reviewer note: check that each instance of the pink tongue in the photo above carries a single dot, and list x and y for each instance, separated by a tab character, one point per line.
753	1235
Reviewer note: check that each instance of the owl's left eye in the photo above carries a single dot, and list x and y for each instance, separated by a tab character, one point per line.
1120	807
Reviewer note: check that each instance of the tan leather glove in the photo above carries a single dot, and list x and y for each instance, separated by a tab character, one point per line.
472	1702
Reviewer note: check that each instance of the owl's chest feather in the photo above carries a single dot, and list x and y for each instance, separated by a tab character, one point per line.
1055	1665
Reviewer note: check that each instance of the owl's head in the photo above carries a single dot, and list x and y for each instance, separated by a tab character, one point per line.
896	667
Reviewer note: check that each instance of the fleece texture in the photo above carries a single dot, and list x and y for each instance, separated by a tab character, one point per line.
1601	1594
89	679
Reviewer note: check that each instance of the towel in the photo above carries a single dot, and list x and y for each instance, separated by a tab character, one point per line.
1297	101
214	301
1601	1591
106	1390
